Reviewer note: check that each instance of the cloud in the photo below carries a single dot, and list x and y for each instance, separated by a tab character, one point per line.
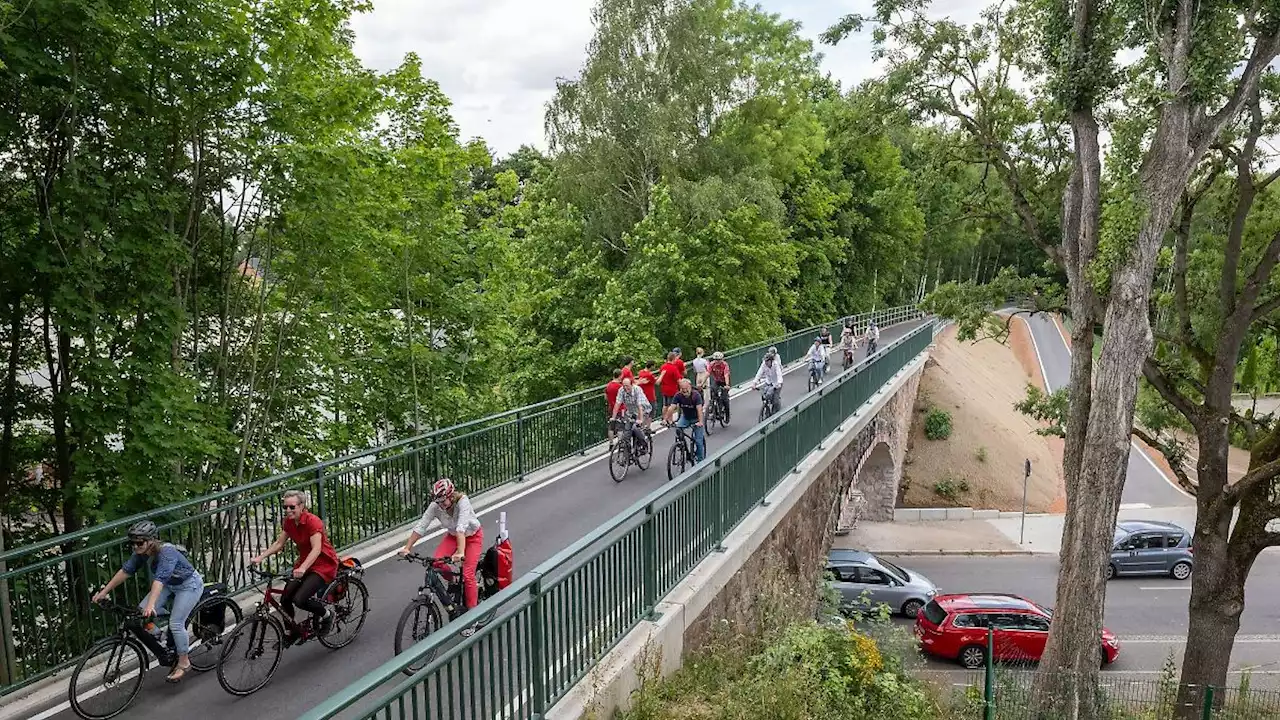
498	60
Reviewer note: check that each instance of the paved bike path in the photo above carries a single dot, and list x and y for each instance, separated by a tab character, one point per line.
1144	483
541	524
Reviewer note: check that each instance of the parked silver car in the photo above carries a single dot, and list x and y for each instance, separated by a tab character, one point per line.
1150	547
865	581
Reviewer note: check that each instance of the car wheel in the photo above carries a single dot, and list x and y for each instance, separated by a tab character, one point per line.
1181	570
973	657
1104	656
1111	571
911	608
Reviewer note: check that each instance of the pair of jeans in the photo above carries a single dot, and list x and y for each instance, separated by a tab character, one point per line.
185	596
302	592
699	438
471	558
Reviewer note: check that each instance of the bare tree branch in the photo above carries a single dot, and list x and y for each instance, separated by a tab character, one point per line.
1178	470
1163	385
1252	480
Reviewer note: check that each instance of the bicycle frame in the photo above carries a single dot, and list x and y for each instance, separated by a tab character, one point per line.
269	603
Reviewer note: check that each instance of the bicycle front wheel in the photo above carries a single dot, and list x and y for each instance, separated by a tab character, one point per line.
645	459
620	460
250	655
107	679
349	612
422	617
205	628
676	460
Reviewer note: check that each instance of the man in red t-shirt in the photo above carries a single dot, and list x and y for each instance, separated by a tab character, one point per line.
647	382
669	376
627	360
611	399
679	364
316	566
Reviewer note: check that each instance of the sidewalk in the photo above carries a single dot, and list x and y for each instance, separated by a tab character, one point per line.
1002	536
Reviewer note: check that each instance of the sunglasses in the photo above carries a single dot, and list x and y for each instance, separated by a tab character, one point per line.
140	543
290	507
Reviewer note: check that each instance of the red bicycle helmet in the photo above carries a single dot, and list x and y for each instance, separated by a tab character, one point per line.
442	489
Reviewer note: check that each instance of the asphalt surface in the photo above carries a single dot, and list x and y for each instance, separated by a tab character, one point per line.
1144	483
1148	614
540	524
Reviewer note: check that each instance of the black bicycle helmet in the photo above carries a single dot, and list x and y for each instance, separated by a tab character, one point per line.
143	530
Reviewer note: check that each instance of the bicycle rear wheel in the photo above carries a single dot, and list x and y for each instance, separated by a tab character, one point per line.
620	459
250	655
107	679
422	617
206	629
349	612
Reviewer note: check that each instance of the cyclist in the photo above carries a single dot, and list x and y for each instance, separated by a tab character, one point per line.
171	576
818	357
873	334
315	568
847	343
719	371
700	371
463	535
824	334
631	399
691	409
770	373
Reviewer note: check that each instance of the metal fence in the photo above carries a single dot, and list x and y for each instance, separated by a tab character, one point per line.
47	621
553	624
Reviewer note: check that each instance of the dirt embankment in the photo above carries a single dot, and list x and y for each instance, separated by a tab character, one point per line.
981	463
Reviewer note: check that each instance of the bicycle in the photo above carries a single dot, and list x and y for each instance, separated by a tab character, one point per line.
768	402
815	374
124	660
681	453
625	454
718	408
847	361
440	600
871	347
261	636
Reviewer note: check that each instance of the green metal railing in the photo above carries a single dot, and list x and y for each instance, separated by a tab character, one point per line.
360	496
553	624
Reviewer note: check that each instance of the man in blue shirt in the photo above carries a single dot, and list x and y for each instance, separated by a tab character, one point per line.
689	403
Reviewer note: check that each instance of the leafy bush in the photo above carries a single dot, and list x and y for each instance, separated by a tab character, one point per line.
951	489
937	424
981	454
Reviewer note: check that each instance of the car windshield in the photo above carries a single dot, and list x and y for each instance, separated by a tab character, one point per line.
894	570
1120	534
934	613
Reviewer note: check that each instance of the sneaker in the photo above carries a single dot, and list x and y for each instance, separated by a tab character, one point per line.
326	623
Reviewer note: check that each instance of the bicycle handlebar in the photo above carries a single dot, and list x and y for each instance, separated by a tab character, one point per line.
427	560
126	610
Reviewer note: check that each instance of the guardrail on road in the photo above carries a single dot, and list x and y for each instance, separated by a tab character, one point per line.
45	619
557	621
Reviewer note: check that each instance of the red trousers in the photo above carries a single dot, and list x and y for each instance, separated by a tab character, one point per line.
475	546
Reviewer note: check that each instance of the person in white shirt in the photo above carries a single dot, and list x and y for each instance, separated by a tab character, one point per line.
873	334
700	375
770	377
463	534
818	357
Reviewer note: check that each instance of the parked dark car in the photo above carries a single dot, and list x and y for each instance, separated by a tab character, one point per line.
1151	547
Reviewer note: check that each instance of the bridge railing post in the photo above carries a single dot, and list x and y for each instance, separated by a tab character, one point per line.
520	445
538	650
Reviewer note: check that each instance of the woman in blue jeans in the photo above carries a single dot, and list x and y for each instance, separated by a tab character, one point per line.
171	576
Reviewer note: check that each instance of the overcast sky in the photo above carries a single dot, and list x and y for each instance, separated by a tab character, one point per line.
498	60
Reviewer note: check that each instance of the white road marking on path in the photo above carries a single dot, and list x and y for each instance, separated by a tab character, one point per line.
1134	506
1179	639
1184	588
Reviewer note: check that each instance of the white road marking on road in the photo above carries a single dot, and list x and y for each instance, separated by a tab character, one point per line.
1134	506
1184	588
1132	443
1179	639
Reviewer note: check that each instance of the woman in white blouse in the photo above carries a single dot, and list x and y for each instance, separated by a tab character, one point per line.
463	534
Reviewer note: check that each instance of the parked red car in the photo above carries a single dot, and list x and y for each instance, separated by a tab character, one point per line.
955	627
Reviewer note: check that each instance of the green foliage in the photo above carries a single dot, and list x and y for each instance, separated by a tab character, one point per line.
1048	408
807	671
951	488
980	454
937	424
